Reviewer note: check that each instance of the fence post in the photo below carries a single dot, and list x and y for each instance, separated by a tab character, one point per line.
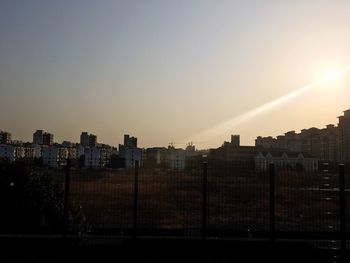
136	191
205	200
342	210
272	202
66	199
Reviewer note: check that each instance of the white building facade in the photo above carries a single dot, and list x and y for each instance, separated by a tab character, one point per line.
285	159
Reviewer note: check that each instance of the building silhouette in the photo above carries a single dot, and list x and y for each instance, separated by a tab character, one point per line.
38	137
5	137
42	138
331	144
130	141
84	139
129	151
47	138
88	140
344	137
92	140
268	151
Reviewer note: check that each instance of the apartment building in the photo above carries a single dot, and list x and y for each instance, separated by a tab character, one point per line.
331	144
5	137
50	156
130	152
293	160
7	152
92	157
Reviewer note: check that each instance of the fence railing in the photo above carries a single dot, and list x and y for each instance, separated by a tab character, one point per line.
202	200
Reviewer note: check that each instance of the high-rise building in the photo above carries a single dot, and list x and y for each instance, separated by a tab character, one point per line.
130	141
38	137
88	140
235	140
292	141
92	140
311	141
80	150
266	142
344	137
5	137
328	149
84	139
50	155
330	144
47	138
129	151
92	157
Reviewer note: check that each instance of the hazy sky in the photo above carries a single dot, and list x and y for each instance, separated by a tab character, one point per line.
167	70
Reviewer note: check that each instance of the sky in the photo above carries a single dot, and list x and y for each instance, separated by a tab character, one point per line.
171	71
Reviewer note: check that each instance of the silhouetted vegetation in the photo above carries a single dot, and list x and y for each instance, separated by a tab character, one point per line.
32	201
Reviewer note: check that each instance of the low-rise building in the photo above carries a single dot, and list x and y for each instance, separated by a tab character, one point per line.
63	154
32	151
154	157
292	160
233	151
19	152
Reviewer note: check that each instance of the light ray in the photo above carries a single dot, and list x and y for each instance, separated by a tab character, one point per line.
224	127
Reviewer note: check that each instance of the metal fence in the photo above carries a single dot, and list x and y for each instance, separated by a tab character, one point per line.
204	200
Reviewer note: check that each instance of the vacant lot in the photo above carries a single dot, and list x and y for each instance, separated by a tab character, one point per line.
237	200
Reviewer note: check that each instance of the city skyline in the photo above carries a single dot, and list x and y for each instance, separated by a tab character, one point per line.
166	71
89	139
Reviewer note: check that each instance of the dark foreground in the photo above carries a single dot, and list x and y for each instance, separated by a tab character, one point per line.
159	250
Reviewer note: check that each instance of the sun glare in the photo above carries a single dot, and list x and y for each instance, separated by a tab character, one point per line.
335	74
223	128
331	76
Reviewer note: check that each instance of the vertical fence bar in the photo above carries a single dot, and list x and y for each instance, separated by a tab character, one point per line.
136	192
342	209
272	201
66	199
205	200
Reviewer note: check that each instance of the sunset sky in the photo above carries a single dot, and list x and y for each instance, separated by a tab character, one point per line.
170	70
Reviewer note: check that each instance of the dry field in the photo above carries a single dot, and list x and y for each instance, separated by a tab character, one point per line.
237	200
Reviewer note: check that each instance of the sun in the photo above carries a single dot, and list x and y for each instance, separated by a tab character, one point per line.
331	76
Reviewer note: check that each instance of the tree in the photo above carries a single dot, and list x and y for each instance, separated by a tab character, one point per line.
32	202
